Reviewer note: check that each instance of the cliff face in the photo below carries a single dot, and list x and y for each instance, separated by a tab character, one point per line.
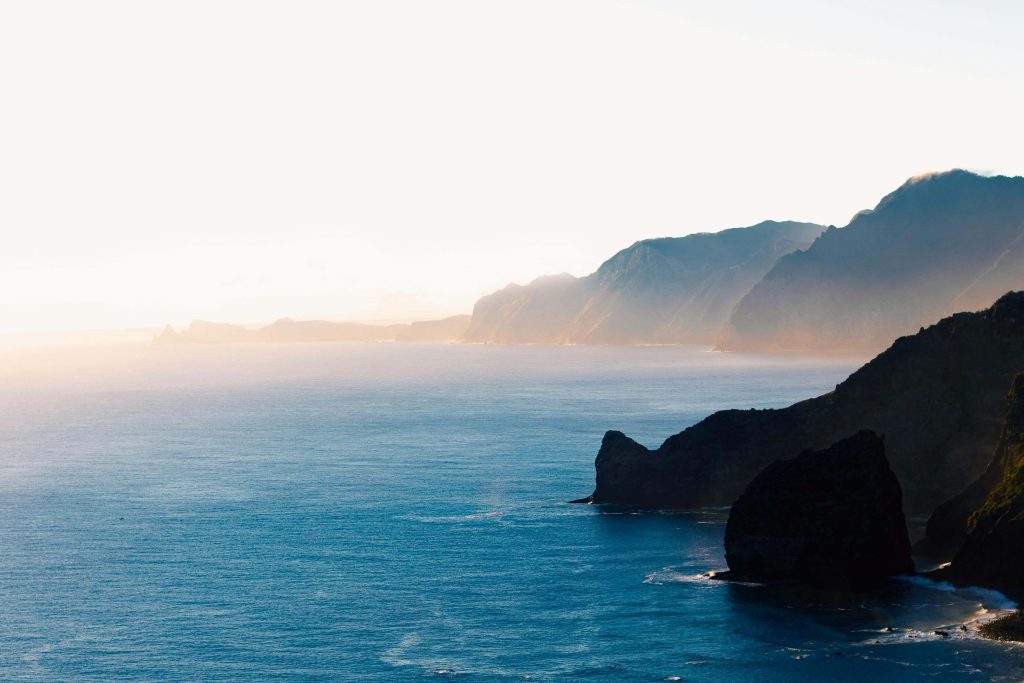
939	244
992	552
950	522
936	397
669	290
825	516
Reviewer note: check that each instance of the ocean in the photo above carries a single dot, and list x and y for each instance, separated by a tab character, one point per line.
390	512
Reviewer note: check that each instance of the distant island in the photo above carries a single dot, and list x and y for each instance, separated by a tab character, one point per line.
286	330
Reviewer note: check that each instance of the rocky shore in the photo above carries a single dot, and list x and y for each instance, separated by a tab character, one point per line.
813	496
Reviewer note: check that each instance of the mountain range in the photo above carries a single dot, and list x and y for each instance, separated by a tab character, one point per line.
939	244
670	290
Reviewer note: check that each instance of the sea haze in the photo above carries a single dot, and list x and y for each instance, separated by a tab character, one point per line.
398	512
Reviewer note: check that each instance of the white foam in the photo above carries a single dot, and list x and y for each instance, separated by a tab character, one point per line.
988	599
448	519
667	575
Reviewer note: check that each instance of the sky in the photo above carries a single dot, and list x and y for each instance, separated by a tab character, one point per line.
379	160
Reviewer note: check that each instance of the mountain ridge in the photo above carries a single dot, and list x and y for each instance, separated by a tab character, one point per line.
939	244
658	290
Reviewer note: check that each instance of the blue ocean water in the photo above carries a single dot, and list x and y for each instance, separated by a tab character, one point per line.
385	512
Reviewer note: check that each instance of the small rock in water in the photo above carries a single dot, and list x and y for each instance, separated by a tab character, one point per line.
940	632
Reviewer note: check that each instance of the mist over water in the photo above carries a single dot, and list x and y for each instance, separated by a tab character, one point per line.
398	512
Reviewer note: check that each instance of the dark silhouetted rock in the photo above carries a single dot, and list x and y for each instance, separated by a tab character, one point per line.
825	516
1009	627
937	396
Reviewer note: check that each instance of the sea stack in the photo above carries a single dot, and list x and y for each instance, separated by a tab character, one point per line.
831	516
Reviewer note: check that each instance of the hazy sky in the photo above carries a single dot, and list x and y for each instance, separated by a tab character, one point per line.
243	161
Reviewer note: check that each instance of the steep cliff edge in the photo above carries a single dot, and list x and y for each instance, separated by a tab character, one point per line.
936	396
668	290
827	516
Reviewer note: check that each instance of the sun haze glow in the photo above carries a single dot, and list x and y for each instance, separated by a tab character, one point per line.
242	161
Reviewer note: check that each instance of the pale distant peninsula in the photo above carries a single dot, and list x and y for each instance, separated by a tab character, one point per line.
285	330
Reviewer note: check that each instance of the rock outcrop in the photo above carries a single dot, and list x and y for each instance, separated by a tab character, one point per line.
825	516
669	291
937	396
940	244
992	552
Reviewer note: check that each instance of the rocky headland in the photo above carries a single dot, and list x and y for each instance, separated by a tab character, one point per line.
938	397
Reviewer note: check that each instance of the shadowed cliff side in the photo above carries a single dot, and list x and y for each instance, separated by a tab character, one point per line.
992	550
948	525
659	291
936	396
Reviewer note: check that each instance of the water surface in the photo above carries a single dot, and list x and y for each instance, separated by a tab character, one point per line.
398	512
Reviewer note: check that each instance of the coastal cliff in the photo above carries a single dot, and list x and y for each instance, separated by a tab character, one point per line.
937	397
670	290
992	552
950	522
